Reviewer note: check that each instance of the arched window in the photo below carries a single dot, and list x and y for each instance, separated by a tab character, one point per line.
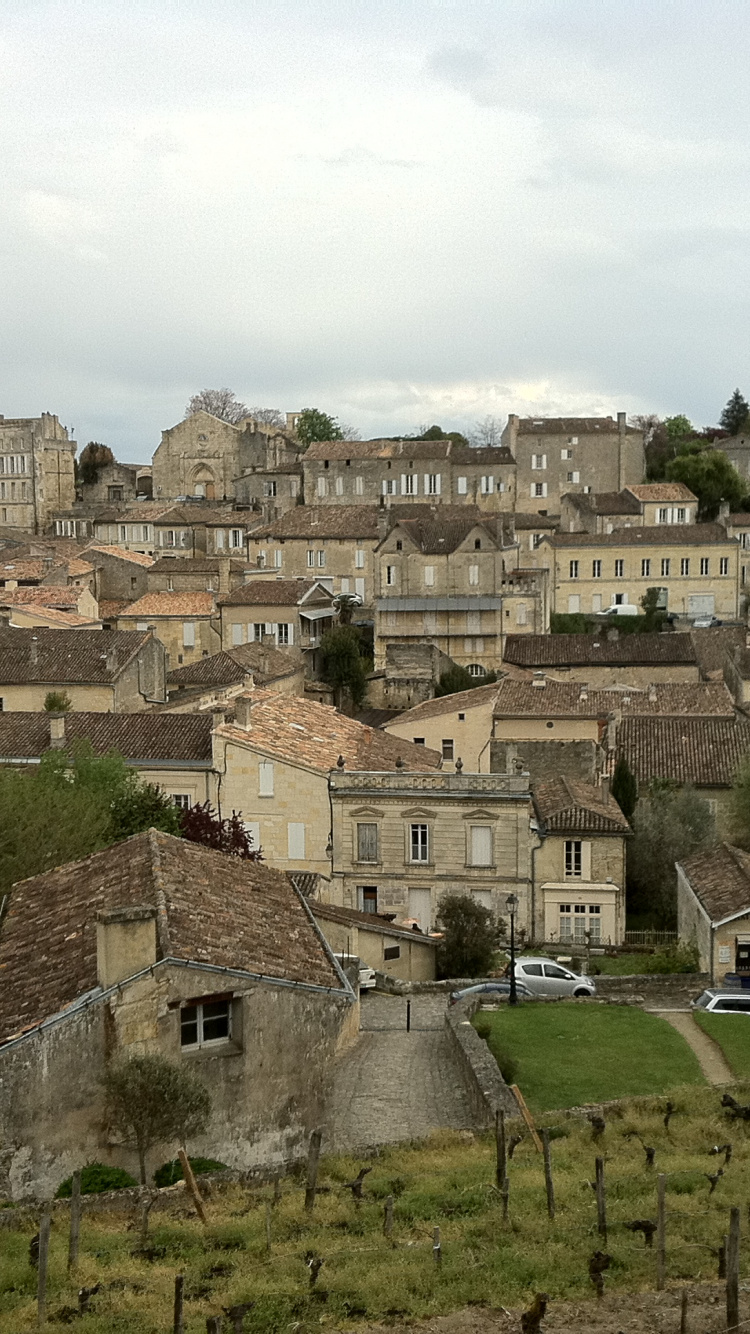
476	669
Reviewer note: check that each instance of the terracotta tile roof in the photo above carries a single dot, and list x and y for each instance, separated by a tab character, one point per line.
217	910
69	619
720	880
654	492
273	593
571	426
341	521
566	805
111	608
314	735
574	699
377	449
203	565
172	604
67	657
369	921
41	595
163	737
488	456
132	557
594	650
231	666
661	535
457	703
22	569
605	502
78	568
702	751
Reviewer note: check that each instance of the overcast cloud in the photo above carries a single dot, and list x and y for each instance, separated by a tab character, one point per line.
397	212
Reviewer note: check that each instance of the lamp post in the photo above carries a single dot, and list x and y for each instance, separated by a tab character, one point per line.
511	904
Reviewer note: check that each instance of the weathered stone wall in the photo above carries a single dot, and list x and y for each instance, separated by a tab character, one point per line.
547	759
487	1090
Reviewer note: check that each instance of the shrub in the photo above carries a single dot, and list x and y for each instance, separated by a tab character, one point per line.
95	1178
677	958
168	1173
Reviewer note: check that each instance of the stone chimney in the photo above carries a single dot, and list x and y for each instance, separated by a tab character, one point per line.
604	786
125	943
57	731
723	515
111	659
225	565
242	706
539	680
622	422
382	521
613	722
34	650
652	694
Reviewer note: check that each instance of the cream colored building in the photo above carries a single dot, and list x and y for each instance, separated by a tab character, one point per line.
101	673
331	543
293	613
713	910
187	624
579	865
459	727
377	942
649	505
37	471
557	455
433	472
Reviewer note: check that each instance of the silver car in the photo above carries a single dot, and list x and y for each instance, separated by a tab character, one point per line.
543	977
723	1002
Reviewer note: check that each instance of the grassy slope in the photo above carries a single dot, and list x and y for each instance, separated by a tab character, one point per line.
732	1033
445	1183
571	1054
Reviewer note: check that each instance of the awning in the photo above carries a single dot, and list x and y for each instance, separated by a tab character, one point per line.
317	613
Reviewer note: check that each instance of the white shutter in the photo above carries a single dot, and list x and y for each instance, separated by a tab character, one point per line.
236	633
265	778
188	634
439	484
461	486
290	632
403	484
427	484
252	829
295	834
429	576
359	587
544	488
481	845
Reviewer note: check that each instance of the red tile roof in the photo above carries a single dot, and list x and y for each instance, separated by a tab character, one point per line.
171	604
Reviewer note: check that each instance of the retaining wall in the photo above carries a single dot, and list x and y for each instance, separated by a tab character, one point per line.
487	1090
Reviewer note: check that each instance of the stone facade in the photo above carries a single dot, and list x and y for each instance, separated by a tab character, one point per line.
187	624
209	458
377	943
99	677
37	471
556	455
117	484
458	726
436	472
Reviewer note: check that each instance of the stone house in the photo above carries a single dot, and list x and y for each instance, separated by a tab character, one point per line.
293	612
694	567
211	459
173	751
275	756
186	623
713	910
118	575
644	506
25	616
162	529
182	574
557	455
737	450
62	597
117	484
218	678
702	752
331	543
362	472
37	471
404	839
410	676
458	726
377	941
529	530
102	672
159	945
578	884
607	659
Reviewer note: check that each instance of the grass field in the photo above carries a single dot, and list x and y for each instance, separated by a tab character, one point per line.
447	1182
732	1033
565	1055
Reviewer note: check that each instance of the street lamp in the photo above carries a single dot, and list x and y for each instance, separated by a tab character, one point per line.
511	904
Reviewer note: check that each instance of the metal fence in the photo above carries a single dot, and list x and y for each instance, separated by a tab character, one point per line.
650	937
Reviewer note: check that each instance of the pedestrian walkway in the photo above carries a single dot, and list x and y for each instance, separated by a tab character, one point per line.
709	1054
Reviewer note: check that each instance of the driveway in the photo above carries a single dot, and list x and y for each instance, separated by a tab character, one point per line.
393	1085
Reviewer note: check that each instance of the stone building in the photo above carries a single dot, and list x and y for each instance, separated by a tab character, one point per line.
713	910
117	484
157	945
205	457
364	472
118	575
190	530
377	941
704	753
185	574
37	471
292	613
331	543
102	672
608	659
216	680
655	503
187	624
556	455
458	726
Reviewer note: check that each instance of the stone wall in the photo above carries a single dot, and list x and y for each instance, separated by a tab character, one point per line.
487	1090
547	759
672	988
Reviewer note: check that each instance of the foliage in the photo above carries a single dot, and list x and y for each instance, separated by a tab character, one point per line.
732	1033
680	957
169	1173
624	787
221	403
341	663
138	806
669	824
437	433
508	1065
570	623
96	1178
268	416
470	937
678	428
457	678
57	701
739	805
711	477
487	433
91	460
653	615
151	1100
735	415
202	824
315	425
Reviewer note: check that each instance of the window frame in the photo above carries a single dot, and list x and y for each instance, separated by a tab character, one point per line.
201	1042
419	843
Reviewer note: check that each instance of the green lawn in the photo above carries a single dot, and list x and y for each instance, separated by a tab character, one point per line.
565	1055
732	1033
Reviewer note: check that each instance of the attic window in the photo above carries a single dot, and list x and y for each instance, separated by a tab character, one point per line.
477	544
399	545
205	1024
202	437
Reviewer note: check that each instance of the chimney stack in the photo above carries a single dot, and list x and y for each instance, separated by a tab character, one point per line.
242	706
604	786
622	421
225	564
34	651
57	731
539	680
125	943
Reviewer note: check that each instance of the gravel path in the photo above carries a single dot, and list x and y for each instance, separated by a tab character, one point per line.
709	1054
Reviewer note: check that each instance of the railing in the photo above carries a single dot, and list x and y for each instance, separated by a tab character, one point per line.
651	937
435	781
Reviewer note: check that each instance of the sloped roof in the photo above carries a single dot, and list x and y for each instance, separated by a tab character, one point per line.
53	615
605	502
702	751
201	565
368	921
434	535
172	604
41	595
651	492
712	647
443	704
272	593
66	657
231	666
594	650
137	736
574	699
132	557
660	535
566	805
535	522
571	426
720	880
320	450
215	909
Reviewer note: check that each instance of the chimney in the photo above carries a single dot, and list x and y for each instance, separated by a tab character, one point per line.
57	731
539	680
652	694
604	786
225	565
219	717
613	722
382	523
125	943
242	706
622	421
34	650
723	516
111	659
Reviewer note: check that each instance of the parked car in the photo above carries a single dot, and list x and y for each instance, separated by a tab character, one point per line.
621	609
723	1002
500	988
706	622
367	977
544	977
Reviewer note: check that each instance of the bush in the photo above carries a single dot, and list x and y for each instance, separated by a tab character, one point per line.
168	1173
95	1178
675	959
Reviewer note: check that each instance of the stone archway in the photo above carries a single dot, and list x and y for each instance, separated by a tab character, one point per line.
203	483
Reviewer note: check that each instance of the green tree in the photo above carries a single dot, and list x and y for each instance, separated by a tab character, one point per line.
151	1100
739	805
437	433
678	428
457	678
470	937
669	824
711	477
57	701
315	425
653	614
92	459
342	665
624	788
735	415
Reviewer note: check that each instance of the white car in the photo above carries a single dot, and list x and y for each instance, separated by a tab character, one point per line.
544	977
621	609
723	1002
367	978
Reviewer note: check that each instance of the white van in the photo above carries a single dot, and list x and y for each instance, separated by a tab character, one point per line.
622	609
367	977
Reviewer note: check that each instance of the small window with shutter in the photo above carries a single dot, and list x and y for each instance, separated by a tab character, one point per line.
367	842
481	845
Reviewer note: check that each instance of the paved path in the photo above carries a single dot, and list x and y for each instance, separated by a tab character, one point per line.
393	1085
709	1054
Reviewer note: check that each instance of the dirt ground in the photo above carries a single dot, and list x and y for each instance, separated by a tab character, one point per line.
620	1313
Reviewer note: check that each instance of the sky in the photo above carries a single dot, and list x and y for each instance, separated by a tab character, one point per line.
399	213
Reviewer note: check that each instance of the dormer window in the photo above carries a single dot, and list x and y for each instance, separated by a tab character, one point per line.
399	545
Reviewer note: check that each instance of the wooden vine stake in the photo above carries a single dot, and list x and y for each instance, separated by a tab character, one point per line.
733	1270
437	1250
526	1114
661	1231
388	1217
548	1175
268	1228
41	1282
313	1157
178	1326
601	1200
75	1222
192	1185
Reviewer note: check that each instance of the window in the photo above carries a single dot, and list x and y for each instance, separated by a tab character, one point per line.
473	622
237	633
619	569
188	634
295	840
665	567
359	485
368	898
408	484
566	454
390	575
705	564
236	538
432	484
724	565
447	748
486	485
284	632
182	800
219	537
566	921
596	569
269	488
389	486
521	613
339	486
573	858
574	477
205	1023
277	558
124	533
359	587
392	952
321	559
663	516
573	569
321	487
481	845
680	516
476	669
429	576
265	779
170	584
115	493
311	557
461	486
473	574
538	489
145	531
367	842
293	487
538	461
419	843
261	560
645	568
359	560
399	545
685	565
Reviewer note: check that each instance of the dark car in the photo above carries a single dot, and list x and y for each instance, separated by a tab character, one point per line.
500	988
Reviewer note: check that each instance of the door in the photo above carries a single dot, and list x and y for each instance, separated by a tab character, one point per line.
557	981
420	907
701	604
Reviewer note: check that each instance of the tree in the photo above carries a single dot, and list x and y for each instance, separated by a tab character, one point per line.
678	428
315	425
624	788
470	937
669	824
268	416
92	459
221	403
57	701
711	477
342	665
202	824
735	415
487	433
739	805
437	433
457	678
151	1100
653	614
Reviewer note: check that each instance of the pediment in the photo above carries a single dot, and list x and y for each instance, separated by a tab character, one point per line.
366	812
480	814
418	813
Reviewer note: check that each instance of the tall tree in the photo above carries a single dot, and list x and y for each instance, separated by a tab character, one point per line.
342	665
92	459
313	425
734	418
710	476
470	937
487	433
268	416
669	824
221	403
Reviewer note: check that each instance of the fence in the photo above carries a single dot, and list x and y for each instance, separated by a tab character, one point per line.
650	937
